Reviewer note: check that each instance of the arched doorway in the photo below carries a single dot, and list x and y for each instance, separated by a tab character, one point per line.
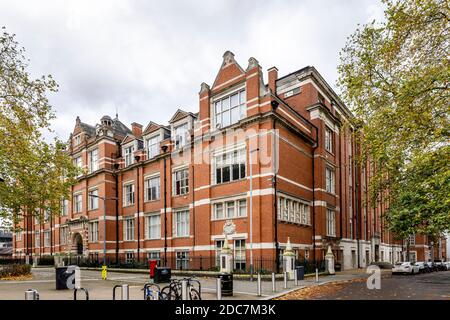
78	240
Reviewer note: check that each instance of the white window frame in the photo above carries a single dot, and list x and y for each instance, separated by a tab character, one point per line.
226	162
225	106
239	254
37	239
78	162
93	231
93	160
63	235
235	205
180	135
181	221
182	258
129	257
412	240
93	201
331	222
328	139
151	256
181	176
153	226
46	238
64	207
128	152
128	197
128	229
77	204
150	194
293	210
330	180
153	146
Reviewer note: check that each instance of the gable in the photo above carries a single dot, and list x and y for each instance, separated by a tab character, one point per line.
180	114
229	70
151	127
128	138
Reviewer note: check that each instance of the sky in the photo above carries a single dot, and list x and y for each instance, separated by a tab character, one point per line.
146	59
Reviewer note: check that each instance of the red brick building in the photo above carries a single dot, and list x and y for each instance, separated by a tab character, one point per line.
272	159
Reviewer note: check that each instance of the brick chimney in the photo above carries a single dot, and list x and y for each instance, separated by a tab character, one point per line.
136	129
273	76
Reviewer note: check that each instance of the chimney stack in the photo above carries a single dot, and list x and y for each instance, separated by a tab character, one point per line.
136	129
273	76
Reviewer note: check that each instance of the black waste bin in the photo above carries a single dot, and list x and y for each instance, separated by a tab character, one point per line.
300	272
226	284
61	277
162	275
337	266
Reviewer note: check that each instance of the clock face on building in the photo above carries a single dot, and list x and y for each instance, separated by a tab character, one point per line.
229	227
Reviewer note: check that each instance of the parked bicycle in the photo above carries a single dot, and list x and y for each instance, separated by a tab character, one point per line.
153	292
173	290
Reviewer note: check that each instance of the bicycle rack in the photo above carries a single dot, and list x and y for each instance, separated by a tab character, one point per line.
86	292
157	292
125	291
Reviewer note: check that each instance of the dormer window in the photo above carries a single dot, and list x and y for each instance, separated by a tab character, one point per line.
230	109
128	151
153	146
181	135
77	140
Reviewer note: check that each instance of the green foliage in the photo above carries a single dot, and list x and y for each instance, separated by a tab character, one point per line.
423	203
395	77
15	270
35	174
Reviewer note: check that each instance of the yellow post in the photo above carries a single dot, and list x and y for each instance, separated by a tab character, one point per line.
104	272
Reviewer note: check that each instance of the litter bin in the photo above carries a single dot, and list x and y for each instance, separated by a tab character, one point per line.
162	275
61	277
300	272
337	266
226	280
152	264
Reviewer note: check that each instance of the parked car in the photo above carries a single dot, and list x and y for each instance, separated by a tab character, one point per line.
423	267
447	265
405	267
440	265
382	264
432	266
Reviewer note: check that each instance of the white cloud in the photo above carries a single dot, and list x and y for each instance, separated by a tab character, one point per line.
148	58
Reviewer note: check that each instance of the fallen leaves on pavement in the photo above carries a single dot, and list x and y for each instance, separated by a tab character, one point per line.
317	292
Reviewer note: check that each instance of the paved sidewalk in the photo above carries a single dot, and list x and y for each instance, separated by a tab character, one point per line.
44	281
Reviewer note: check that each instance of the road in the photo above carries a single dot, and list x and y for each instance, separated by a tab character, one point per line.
431	286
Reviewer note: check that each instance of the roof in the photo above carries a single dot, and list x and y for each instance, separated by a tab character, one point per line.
180	114
119	127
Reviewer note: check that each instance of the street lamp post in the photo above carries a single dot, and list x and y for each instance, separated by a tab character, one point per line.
104	199
251	212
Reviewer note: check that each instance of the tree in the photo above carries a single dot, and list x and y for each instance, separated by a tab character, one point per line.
395	76
35	174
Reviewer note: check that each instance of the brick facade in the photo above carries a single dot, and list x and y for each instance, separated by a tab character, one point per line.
177	185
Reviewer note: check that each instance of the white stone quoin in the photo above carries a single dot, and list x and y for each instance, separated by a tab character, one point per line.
289	260
329	258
